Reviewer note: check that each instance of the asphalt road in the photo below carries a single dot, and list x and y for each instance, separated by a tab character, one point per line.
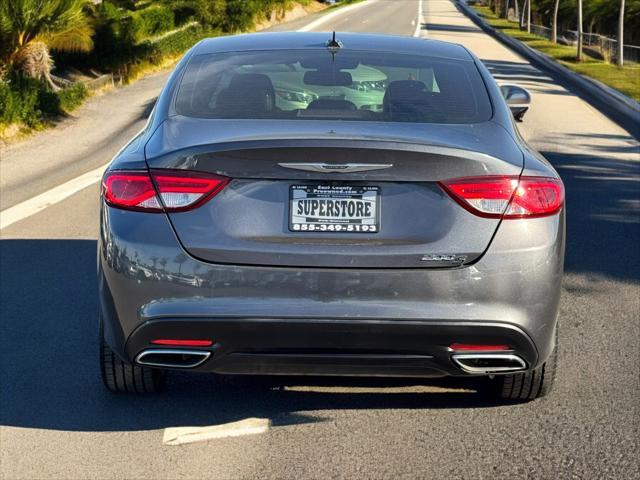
58	422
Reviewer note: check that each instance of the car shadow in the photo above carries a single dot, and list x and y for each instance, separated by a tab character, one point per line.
50	371
442	27
49	346
603	213
505	71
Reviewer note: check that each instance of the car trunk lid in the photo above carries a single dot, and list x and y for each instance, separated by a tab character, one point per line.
250	222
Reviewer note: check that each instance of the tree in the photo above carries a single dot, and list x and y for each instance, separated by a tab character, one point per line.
30	28
554	21
528	16
621	35
579	55
180	259
163	261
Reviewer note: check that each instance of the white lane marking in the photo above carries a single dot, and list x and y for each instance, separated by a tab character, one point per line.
419	20
182	435
325	18
38	203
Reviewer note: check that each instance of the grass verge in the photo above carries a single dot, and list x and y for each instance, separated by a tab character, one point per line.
625	79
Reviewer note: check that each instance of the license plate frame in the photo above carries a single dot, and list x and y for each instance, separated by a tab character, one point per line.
338	208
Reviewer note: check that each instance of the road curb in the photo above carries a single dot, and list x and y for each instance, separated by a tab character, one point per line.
618	107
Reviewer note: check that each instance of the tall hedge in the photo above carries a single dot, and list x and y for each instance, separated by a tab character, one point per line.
242	14
173	44
151	21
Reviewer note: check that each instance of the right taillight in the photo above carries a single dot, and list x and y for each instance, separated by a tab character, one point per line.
507	196
162	190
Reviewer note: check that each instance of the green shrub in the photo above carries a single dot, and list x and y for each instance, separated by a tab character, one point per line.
131	27
150	21
180	41
111	11
72	97
112	40
176	43
119	33
239	15
48	102
242	14
27	100
210	14
20	100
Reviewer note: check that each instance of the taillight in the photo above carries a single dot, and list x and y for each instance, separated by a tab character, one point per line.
172	342
469	347
507	196
171	191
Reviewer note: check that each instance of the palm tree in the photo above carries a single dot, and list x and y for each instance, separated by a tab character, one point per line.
29	28
163	261
621	35
579	55
180	259
525	16
554	22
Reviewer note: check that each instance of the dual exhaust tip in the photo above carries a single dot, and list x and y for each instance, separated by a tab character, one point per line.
172	358
468	362
489	362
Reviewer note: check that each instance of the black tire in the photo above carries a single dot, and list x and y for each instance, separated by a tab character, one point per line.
121	377
529	385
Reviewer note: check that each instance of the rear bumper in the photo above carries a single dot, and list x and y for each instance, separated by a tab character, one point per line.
340	321
331	346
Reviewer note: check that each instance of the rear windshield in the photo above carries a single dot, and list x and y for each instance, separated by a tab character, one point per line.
347	85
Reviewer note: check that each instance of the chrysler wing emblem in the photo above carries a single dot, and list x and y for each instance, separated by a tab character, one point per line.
336	167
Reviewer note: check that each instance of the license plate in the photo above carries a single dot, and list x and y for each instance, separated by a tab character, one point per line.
334	208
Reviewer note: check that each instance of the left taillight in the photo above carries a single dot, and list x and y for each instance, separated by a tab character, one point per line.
160	190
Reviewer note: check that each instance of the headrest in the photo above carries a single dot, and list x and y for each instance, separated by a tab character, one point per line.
402	93
247	93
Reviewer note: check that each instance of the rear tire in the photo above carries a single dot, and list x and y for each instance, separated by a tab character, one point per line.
121	377
529	385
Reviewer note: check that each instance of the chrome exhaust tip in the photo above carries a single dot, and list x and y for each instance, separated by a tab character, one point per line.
489	362
171	358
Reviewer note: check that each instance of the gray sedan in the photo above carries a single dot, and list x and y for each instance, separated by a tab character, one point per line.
303	204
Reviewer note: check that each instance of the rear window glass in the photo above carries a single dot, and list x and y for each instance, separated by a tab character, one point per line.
347	85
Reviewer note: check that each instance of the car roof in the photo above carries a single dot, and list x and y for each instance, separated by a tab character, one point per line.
351	41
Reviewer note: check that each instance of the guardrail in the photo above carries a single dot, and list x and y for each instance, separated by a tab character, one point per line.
621	109
604	47
99	82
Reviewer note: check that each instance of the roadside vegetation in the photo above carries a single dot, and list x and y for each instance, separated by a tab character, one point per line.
46	45
601	18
